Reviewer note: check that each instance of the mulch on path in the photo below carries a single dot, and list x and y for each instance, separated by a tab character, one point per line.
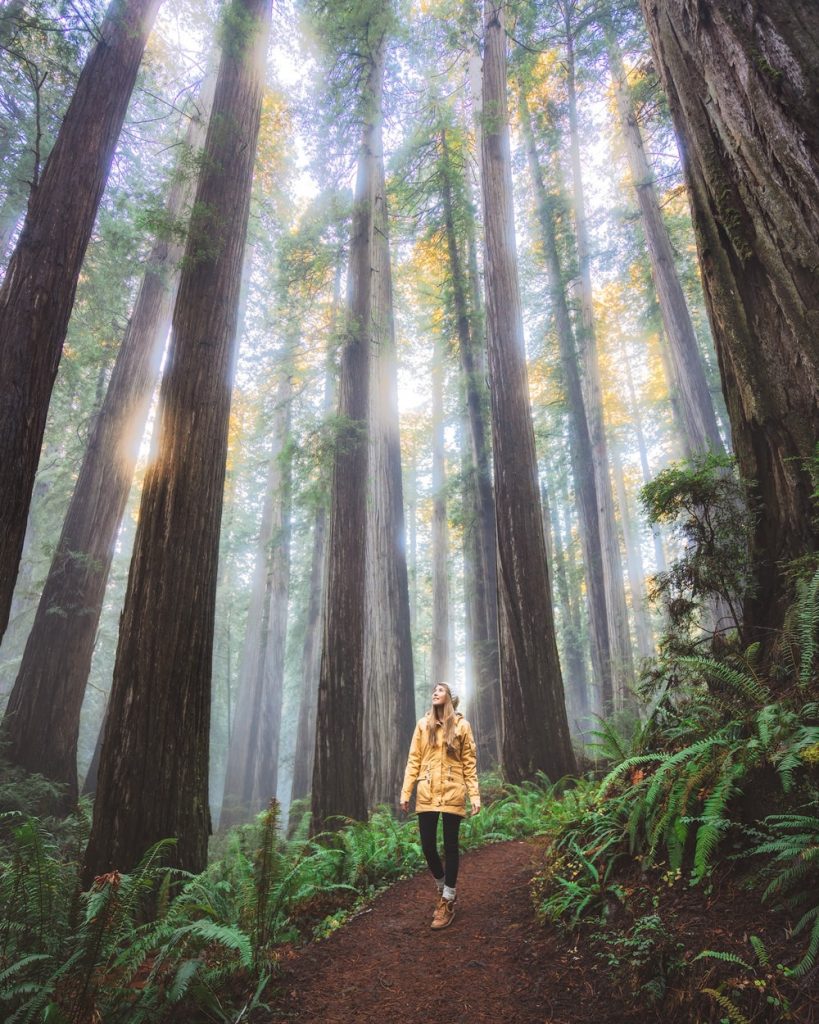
494	963
497	963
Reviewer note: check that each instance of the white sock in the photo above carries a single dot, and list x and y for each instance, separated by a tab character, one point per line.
440	883
448	892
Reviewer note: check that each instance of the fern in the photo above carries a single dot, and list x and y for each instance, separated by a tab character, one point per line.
735	1015
739	683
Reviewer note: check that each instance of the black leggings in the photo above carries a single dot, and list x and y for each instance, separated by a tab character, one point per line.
428	826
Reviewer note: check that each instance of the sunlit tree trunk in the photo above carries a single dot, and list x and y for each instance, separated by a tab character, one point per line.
535	727
580	445
311	650
252	764
616	608
440	545
153	779
37	293
743	86
389	686
43	714
483	561
576	684
310	663
338	786
700	430
634	561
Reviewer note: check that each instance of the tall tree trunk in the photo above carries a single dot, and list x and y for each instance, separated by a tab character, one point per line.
37	293
469	323
535	728
338	769
577	694
440	545
619	638
636	419
305	747
634	561
700	430
389	688
580	445
743	87
153	779
310	663
43	715
252	764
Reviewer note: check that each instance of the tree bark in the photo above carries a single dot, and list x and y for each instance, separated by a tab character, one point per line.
468	321
43	714
37	293
580	445
440	546
699	421
338	789
389	688
619	638
743	87
253	754
535	727
153	779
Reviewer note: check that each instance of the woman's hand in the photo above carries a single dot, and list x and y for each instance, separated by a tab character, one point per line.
475	803
404	805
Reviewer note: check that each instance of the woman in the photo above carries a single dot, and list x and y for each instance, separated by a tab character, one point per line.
442	756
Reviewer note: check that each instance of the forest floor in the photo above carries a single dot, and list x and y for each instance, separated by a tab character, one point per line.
496	962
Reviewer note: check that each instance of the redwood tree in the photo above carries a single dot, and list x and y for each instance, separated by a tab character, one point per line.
153	776
338	768
535	727
743	87
43	714
37	293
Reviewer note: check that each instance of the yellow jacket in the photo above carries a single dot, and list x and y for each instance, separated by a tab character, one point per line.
444	777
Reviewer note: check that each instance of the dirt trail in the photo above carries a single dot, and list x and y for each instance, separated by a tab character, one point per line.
494	963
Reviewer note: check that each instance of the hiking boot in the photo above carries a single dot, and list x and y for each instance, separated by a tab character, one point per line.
444	913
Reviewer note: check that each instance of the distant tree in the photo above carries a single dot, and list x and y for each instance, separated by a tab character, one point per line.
535	726
37	294
742	82
253	754
153	776
699	421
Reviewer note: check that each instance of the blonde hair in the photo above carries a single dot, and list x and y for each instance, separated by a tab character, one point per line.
448	719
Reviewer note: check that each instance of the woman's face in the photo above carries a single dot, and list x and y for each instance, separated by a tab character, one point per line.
439	696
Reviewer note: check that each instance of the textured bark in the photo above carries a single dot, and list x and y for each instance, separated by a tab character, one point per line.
253	754
37	293
43	714
153	779
535	728
389	688
440	540
338	770
486	716
580	445
743	87
619	638
699	421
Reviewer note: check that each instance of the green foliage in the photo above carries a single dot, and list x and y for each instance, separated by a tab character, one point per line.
645	956
703	503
